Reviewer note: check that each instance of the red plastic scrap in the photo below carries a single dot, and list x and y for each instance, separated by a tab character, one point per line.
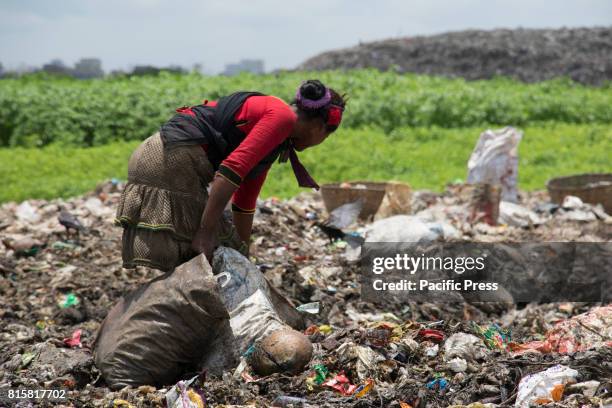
310	330
75	340
341	384
433	335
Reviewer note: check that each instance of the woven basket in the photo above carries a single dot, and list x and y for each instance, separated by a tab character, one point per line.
590	188
334	196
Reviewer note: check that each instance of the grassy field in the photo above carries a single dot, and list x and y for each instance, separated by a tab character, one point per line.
423	157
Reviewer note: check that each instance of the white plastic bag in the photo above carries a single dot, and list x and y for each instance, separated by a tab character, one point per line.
495	161
256	309
403	228
540	386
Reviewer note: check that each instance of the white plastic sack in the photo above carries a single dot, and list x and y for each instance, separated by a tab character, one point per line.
517	216
256	309
495	161
541	385
407	228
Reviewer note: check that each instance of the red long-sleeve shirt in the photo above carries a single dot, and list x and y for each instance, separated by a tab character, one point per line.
267	121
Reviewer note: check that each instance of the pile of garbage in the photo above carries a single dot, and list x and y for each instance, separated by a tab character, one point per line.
58	283
530	55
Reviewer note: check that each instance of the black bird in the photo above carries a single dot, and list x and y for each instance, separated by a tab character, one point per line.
341	218
70	221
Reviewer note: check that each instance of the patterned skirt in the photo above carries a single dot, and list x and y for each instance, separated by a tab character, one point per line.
161	206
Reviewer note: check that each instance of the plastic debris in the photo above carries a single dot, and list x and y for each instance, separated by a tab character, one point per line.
181	396
494	336
403	228
587	388
432	335
68	300
583	332
457	365
320	373
364	389
341	384
75	340
544	387
466	346
25	212
438	384
311	308
120	403
26	358
517	216
432	351
284	401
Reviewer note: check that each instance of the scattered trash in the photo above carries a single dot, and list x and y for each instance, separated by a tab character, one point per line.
438	384
465	346
24	246
457	365
311	308
25	212
285	401
181	396
517	215
484	203
582	332
379	350
432	351
64	245
544	387
75	340
120	403
495	161
68	300
341	384
587	388
317	377
364	389
432	335
495	337
403	228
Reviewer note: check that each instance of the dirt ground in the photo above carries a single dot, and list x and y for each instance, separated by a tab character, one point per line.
54	285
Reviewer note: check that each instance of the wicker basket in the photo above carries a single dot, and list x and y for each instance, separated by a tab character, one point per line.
590	188
372	194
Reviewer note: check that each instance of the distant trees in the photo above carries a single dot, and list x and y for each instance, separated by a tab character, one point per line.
88	68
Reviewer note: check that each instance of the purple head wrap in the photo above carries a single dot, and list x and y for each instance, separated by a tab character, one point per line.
309	103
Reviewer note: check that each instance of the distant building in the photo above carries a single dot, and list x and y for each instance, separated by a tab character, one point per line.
87	68
57	66
245	65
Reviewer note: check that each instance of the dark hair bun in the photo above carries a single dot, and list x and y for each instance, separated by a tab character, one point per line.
312	89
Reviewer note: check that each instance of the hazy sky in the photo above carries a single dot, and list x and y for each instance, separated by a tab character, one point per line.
124	33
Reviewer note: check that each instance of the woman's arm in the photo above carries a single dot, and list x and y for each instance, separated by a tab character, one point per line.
206	239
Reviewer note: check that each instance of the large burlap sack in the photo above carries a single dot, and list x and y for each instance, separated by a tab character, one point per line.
166	328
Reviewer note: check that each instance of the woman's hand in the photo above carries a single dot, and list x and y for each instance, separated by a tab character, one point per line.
205	243
206	239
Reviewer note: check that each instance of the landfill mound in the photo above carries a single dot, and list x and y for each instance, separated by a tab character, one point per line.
582	54
56	287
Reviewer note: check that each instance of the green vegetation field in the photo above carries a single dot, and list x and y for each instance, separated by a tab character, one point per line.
424	157
59	137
